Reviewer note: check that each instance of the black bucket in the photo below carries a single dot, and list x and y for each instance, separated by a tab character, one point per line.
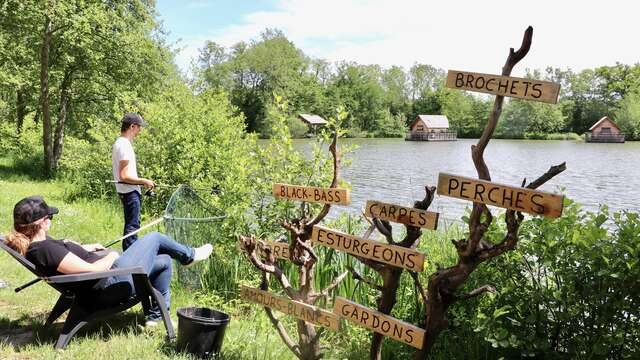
201	330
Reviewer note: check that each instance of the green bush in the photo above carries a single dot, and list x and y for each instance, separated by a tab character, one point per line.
569	291
25	148
552	136
25	145
86	163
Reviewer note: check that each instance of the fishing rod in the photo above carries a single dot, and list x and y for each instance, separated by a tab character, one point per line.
154	222
150	192
110	244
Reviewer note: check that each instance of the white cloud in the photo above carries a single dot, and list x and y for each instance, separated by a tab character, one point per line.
465	35
187	51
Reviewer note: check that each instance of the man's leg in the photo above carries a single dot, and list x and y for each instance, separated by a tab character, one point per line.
131	203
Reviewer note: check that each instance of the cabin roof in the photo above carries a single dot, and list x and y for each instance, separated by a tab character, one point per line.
432	121
604	118
312	119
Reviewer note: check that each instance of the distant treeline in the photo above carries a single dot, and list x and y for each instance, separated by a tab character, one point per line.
70	69
383	101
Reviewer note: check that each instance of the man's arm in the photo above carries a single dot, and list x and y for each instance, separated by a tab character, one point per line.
126	177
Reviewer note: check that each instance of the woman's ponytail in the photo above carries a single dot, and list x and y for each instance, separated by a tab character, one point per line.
20	239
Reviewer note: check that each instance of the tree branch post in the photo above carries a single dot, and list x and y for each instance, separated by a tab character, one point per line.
303	256
444	283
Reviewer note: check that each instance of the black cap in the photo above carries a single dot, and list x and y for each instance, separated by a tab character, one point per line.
31	209
133	118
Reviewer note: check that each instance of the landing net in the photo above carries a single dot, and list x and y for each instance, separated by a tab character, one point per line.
193	221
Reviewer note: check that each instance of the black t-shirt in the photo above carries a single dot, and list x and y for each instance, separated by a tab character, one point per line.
47	254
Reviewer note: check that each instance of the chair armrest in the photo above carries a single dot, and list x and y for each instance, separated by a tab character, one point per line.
63	279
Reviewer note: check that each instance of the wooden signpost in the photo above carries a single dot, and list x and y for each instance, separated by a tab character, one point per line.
528	89
312	194
280	250
402	215
379	322
504	196
297	309
368	249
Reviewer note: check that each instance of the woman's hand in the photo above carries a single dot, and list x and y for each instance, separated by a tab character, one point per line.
93	247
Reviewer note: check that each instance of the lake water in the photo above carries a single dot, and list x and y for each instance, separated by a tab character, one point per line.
396	171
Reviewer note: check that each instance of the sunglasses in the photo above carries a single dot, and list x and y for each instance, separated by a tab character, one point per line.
50	217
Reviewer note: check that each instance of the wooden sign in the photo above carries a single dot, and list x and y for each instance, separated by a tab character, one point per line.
369	249
379	322
280	250
401	214
312	194
296	309
528	89
504	196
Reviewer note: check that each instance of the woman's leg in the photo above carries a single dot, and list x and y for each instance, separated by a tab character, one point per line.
160	277
182	253
144	250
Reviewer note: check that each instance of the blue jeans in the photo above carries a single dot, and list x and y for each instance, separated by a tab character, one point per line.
153	252
131	203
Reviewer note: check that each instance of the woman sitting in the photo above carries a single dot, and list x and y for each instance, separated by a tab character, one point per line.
153	252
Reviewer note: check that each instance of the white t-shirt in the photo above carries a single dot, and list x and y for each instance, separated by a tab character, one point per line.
123	150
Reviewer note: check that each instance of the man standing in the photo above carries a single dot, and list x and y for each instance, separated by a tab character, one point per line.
123	164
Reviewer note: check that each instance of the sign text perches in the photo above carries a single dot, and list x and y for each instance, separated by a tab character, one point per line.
311	194
504	196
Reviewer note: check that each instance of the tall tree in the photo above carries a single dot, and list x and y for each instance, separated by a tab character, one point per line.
425	79
253	73
627	115
94	57
45	49
522	117
359	89
20	29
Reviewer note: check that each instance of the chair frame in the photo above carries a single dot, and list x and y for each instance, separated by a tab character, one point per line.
72	299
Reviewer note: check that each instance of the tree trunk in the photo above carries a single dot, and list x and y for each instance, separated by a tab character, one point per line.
391	282
62	117
20	109
443	286
44	95
309	341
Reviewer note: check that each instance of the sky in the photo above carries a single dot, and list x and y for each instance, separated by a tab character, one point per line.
450	34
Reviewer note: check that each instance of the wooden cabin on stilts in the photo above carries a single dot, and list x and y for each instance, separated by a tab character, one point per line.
430	128
313	121
604	131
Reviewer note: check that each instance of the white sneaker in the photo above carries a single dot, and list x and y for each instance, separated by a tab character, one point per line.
150	324
201	253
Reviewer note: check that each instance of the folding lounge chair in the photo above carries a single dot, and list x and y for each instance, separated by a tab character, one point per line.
85	306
